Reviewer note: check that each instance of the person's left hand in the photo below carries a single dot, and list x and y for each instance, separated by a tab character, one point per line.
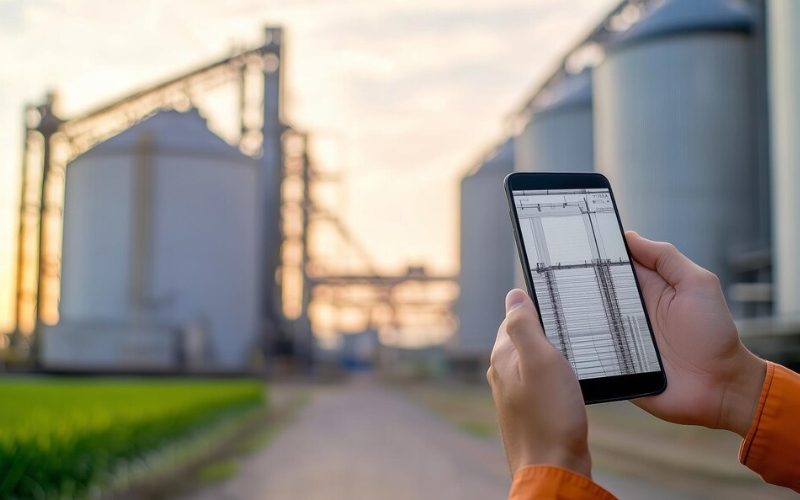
538	399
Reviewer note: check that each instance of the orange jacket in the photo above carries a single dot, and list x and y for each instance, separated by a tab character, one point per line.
771	448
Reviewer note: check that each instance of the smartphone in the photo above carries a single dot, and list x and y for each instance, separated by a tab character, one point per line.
579	272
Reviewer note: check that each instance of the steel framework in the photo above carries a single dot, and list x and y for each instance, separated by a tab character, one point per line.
52	142
289	219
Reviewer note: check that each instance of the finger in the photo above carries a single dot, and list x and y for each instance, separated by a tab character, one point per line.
647	403
661	257
502	346
522	325
504	355
651	283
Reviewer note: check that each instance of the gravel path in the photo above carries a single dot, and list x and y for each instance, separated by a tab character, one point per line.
362	441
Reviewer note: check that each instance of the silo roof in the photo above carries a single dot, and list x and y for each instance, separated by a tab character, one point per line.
673	17
172	131
571	90
500	158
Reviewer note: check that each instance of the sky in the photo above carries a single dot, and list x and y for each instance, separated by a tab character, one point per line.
404	95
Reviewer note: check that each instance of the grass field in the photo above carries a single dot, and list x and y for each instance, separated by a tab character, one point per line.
61	437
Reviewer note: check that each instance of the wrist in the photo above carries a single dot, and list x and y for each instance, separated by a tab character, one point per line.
742	393
579	461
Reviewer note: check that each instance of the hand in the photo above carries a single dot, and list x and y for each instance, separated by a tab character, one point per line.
712	379
537	397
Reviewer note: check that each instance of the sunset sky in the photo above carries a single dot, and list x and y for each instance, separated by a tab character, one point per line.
403	94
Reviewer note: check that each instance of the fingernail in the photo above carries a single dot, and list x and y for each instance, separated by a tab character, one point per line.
514	299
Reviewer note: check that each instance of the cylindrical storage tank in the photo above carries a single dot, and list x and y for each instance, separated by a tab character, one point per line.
160	227
487	253
674	131
559	134
784	77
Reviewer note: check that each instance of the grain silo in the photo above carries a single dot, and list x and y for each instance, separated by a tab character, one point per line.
784	72
674	128
558	136
160	251
488	257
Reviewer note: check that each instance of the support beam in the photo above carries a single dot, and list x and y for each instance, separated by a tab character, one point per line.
271	181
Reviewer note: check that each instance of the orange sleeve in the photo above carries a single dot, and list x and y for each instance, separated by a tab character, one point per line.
549	482
772	445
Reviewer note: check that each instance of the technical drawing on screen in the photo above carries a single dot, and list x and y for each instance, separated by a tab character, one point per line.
584	282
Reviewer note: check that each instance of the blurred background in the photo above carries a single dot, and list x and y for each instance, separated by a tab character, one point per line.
260	249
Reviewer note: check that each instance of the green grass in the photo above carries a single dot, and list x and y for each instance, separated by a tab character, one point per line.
218	471
62	437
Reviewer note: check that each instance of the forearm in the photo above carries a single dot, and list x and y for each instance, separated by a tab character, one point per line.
741	395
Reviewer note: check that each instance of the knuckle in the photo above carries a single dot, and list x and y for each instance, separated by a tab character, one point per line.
493	358
668	251
712	278
707	278
515	321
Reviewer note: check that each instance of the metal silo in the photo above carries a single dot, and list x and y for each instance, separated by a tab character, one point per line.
558	137
674	131
487	252
784	72
160	240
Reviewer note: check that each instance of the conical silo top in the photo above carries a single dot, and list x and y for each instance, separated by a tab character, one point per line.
567	91
500	158
173	131
673	17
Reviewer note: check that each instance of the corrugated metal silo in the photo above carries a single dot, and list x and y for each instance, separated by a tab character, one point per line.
559	135
674	131
784	72
160	235
487	252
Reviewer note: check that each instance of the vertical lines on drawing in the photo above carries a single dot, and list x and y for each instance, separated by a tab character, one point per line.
588	299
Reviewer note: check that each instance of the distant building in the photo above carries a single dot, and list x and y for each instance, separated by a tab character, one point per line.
669	99
675	108
160	252
558	133
488	256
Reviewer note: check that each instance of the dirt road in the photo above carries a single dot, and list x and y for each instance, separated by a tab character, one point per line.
363	441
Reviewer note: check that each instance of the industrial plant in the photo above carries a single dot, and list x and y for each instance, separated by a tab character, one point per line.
690	109
151	239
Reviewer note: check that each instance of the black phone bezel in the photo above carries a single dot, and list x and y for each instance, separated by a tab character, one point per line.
595	390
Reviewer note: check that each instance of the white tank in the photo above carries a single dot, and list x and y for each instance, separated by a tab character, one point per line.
674	131
160	228
488	257
784	77
559	135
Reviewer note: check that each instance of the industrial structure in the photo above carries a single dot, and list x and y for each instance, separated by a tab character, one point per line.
487	253
784	87
690	108
158	236
150	239
675	121
557	135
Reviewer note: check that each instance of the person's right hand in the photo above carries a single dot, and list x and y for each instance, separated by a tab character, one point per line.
712	379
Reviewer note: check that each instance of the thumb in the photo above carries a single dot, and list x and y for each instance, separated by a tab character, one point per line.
522	324
661	257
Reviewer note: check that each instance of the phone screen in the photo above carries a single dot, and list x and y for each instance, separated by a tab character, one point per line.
584	283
